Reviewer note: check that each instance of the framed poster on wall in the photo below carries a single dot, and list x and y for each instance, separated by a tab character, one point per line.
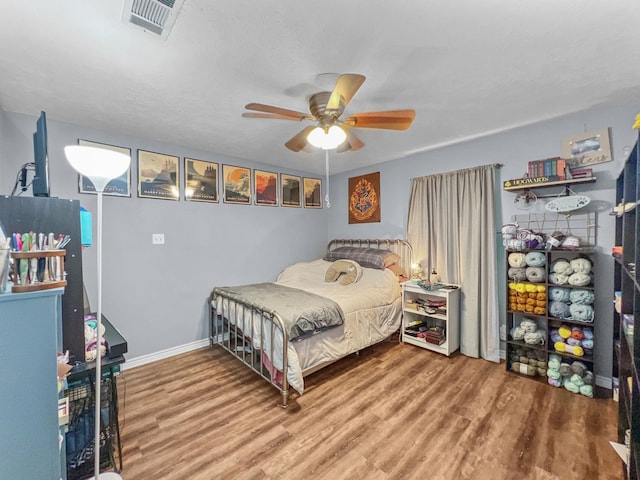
265	186
312	192
290	185
200	180
364	198
158	176
118	187
237	184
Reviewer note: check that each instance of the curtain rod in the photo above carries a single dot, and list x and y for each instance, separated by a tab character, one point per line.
496	165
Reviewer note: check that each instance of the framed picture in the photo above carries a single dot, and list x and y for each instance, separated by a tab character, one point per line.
312	192
290	186
118	187
237	184
587	148
200	180
364	198
265	185
158	175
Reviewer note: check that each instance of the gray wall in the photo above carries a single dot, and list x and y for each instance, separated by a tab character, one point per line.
514	149
156	294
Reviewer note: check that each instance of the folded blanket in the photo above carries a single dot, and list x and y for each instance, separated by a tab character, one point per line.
303	313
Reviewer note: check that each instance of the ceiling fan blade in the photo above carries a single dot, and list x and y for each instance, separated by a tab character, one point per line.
391	120
351	143
269	115
260	107
299	140
346	87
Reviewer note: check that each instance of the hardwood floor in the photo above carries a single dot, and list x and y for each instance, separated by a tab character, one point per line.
394	412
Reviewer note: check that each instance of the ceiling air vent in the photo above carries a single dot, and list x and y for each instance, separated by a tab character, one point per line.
155	16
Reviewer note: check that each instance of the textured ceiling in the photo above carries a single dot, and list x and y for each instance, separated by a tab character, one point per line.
468	68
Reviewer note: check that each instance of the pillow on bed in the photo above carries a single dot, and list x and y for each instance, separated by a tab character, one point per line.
349	270
399	272
367	257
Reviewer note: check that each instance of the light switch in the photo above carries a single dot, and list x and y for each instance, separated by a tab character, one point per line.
157	238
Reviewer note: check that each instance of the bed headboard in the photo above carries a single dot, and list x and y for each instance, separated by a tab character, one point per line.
397	246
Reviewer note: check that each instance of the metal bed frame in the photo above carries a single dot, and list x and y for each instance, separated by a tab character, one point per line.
239	343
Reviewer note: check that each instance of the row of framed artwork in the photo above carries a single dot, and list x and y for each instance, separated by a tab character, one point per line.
158	177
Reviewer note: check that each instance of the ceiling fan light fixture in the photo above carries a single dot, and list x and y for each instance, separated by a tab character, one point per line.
327	138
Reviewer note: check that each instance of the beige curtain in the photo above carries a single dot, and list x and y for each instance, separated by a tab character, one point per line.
451	226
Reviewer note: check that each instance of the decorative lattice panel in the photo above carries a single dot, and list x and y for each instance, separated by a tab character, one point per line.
581	225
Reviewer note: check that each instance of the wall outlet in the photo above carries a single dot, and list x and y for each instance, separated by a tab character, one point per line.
157	238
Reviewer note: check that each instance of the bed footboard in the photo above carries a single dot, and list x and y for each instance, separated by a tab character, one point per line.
252	334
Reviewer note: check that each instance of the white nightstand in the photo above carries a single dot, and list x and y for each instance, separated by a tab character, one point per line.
431	318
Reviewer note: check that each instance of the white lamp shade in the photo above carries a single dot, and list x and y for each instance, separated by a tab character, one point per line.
97	164
327	139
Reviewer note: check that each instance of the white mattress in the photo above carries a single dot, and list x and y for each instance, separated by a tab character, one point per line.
372	308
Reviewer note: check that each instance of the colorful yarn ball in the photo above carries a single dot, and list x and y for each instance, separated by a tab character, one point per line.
564	331
579	279
536	274
572	387
577	333
576	350
552	373
535	259
587	391
561	266
588	377
577	380
517	333
517	274
558	278
517	260
581	265
565	370
559	294
554	382
583	313
581	296
554	361
588	333
559	310
578	368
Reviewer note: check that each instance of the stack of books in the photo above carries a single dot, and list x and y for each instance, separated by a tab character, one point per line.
435	335
552	168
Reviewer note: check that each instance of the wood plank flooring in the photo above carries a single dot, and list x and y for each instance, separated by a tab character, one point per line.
394	412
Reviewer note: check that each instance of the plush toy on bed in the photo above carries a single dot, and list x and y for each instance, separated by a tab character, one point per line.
349	270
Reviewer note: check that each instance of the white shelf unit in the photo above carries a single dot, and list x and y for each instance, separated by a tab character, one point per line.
412	315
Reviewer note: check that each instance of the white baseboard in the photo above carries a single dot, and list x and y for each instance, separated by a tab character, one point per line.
161	355
604	382
601	381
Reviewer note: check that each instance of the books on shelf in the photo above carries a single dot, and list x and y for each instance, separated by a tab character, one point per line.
554	169
549	167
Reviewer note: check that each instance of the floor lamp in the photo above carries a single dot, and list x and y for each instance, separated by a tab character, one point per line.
100	166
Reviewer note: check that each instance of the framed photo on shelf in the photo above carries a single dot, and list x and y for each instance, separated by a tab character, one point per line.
118	187
237	184
290	190
364	198
200	180
587	149
312	192
265	185
158	175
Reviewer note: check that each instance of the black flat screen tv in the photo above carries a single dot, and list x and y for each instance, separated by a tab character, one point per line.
40	183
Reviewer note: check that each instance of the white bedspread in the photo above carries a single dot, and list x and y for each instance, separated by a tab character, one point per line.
372	308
